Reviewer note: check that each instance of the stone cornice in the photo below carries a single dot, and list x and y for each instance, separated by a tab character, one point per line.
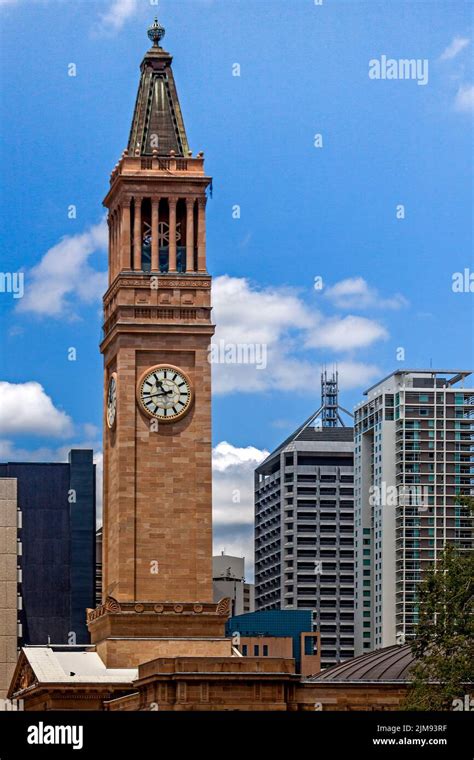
134	280
112	606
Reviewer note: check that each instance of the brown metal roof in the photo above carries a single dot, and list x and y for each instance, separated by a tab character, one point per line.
388	664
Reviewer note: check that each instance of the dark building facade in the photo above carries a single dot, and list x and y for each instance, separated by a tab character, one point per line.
56	547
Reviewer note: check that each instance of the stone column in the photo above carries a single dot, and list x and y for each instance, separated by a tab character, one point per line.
110	251
155	202
112	246
116	242
172	234
116	245
137	237
201	241
125	233
117	257
190	234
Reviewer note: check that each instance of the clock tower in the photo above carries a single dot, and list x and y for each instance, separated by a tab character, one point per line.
157	532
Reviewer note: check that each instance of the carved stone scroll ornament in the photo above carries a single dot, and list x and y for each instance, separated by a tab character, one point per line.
26	677
223	607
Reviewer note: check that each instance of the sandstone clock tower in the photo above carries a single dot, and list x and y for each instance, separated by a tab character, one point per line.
157	553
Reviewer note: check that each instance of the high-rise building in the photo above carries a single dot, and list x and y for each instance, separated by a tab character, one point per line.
304	532
228	580
47	548
414	456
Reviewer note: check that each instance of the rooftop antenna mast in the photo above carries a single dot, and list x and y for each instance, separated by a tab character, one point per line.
329	399
329	413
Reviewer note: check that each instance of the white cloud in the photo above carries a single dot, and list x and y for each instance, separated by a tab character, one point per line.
233	483
347	333
251	315
90	430
117	15
355	293
353	374
454	48
26	408
465	98
233	499
63	278
113	19
278	320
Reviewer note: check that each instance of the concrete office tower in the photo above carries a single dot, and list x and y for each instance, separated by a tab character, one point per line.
228	580
47	553
304	532
414	455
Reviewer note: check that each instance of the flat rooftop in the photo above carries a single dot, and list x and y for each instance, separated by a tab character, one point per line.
453	376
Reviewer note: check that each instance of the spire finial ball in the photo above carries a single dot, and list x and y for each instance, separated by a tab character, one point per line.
156	32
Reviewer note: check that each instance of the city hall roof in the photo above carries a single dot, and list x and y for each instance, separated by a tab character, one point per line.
68	665
383	665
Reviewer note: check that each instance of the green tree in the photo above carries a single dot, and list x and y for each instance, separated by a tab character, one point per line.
443	646
466	501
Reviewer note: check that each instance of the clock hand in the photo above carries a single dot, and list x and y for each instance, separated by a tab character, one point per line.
152	394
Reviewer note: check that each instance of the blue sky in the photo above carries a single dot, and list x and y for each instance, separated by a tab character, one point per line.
305	211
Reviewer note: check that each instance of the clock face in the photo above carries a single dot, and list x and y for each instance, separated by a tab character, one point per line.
112	401
164	392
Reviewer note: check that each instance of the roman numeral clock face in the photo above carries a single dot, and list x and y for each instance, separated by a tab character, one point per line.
164	392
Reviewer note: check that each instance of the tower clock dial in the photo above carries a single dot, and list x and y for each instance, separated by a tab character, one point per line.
164	392
112	400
